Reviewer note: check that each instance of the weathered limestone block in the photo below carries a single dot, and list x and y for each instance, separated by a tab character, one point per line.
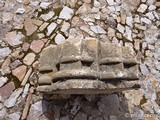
87	67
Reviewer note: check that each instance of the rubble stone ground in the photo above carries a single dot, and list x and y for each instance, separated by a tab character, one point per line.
28	26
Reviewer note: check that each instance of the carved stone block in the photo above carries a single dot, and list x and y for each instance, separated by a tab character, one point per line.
86	67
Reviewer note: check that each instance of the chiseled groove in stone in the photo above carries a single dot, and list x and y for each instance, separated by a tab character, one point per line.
87	85
75	59
69	74
110	60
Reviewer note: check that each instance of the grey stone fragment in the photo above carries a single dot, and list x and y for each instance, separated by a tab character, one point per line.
4	52
144	69
66	13
10	102
36	110
3	112
3	80
14	116
20	11
109	104
51	28
59	39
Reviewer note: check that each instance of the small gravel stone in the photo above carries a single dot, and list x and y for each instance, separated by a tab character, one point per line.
7	17
26	77
120	28
66	13
129	21
152	7
37	45
3	112
140	27
25	91
150	15
72	3
36	110
158	65
87	1
25	46
142	8
15	64
151	47
20	72
43	26
30	27
144	69
97	29
6	91
47	16
110	2
45	5
29	58
10	102
26	2
145	20
20	11
137	19
65	28
4	52
96	3
3	80
14	38
14	116
59	39
87	30
19	1
128	33
157	4
51	28
111	32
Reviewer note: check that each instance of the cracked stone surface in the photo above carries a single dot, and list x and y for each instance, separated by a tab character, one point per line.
28	28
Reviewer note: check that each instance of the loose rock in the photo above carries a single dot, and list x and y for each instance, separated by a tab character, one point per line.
3	112
51	28
36	110
37	45
10	102
144	69
6	90
4	52
66	13
20	11
120	28
20	72
59	39
142	8
14	38
29	58
47	16
14	116
29	26
3	80
45	5
97	29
